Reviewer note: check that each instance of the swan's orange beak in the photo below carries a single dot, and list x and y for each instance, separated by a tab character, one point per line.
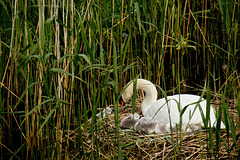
122	103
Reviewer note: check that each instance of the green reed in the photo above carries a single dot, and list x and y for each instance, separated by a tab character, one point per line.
63	61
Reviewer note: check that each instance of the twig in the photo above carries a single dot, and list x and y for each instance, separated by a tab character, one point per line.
201	32
10	91
10	151
159	153
142	149
223	85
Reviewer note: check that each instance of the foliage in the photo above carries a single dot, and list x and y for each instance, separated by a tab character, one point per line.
60	61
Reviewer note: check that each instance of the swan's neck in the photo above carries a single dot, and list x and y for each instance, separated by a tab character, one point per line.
150	94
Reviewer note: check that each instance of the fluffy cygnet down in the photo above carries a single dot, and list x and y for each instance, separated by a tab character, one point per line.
149	126
104	113
129	121
145	124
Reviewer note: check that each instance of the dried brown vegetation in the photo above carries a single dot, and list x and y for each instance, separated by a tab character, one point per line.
62	61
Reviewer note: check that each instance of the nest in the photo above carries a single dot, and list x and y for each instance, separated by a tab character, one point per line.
132	145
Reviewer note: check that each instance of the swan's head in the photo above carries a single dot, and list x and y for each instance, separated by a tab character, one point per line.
126	96
148	88
128	93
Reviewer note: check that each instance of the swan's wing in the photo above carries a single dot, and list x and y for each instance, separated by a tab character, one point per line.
191	114
188	100
163	111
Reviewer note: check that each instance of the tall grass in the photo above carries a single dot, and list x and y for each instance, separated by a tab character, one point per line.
61	61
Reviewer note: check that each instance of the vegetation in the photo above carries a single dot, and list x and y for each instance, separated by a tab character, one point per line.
61	62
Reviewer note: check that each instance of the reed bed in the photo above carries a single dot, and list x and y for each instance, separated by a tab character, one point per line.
61	62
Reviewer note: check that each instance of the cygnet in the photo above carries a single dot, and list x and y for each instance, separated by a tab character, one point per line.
145	124
149	126
104	113
129	121
162	129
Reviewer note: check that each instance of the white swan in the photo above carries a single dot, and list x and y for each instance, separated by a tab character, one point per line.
151	106
129	121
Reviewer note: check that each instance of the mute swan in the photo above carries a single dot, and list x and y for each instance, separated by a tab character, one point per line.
151	106
129	121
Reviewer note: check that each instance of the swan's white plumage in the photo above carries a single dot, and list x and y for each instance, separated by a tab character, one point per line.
151	105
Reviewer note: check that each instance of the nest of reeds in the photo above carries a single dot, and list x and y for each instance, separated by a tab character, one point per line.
129	144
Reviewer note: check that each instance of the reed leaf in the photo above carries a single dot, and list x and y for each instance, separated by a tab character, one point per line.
63	61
